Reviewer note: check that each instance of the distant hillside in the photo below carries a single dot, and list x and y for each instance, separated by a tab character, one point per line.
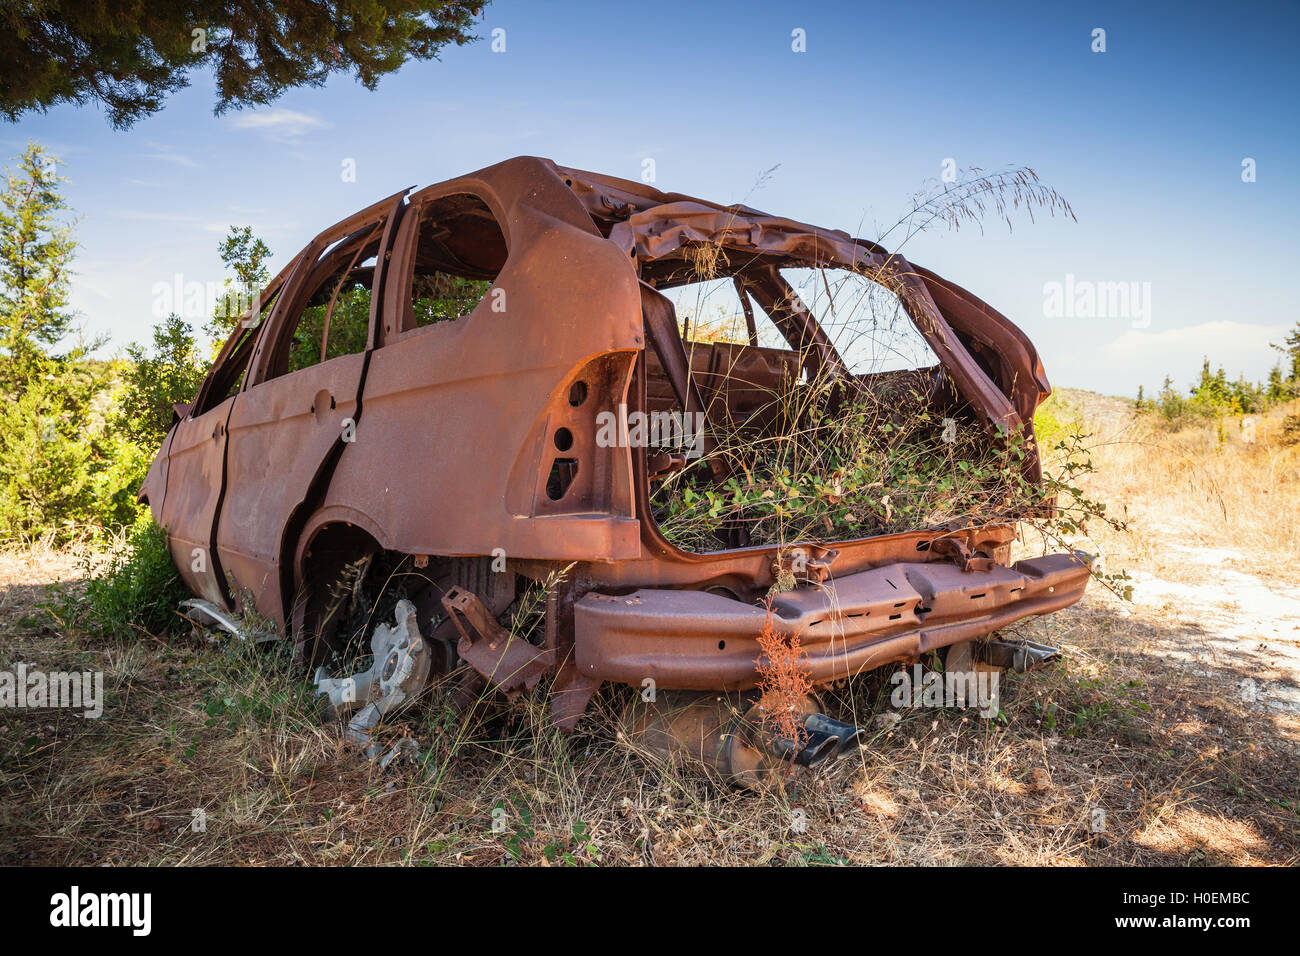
1103	415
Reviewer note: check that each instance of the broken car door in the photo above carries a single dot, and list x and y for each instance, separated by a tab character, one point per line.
299	411
197	454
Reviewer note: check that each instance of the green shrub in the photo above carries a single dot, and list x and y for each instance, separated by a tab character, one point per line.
1291	430
153	380
137	590
1054	421
114	485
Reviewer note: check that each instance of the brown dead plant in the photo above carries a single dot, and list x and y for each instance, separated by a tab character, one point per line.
783	681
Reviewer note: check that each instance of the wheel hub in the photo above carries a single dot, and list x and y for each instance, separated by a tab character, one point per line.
401	666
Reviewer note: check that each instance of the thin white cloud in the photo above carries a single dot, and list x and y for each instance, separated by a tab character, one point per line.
1239	347
1209	337
169	154
146	215
279	124
176	158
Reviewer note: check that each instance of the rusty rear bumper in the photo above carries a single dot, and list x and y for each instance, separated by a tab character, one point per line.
708	641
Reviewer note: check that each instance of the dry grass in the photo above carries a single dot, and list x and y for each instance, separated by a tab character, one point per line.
1205	490
1186	771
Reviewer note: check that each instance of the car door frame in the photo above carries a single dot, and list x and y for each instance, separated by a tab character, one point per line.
196	454
303	413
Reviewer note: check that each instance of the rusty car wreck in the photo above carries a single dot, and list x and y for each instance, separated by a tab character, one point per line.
448	445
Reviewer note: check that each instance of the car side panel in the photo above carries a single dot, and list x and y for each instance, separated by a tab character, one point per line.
281	436
189	509
459	420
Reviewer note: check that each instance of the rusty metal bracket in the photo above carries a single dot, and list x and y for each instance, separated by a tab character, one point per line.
509	662
957	549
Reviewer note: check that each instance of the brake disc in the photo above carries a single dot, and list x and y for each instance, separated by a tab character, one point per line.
401	666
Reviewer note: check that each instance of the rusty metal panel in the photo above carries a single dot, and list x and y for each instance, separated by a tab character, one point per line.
699	640
196	462
478	402
280	435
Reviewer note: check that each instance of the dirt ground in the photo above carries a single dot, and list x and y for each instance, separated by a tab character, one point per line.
1170	734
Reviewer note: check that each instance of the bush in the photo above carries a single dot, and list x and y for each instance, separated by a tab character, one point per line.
832	469
116	482
156	379
1291	430
47	454
1054	421
139	588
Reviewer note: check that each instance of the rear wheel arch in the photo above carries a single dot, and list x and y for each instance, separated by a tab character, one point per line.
330	540
328	552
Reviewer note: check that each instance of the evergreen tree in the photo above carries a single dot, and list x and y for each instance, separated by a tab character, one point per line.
36	248
1277	389
1290	348
129	56
48	450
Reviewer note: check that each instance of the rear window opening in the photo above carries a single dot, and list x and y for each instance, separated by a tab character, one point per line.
866	322
832	414
459	251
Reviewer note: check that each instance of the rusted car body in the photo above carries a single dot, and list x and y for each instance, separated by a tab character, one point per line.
469	444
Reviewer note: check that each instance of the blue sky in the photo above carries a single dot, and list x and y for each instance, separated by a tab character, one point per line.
1145	140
